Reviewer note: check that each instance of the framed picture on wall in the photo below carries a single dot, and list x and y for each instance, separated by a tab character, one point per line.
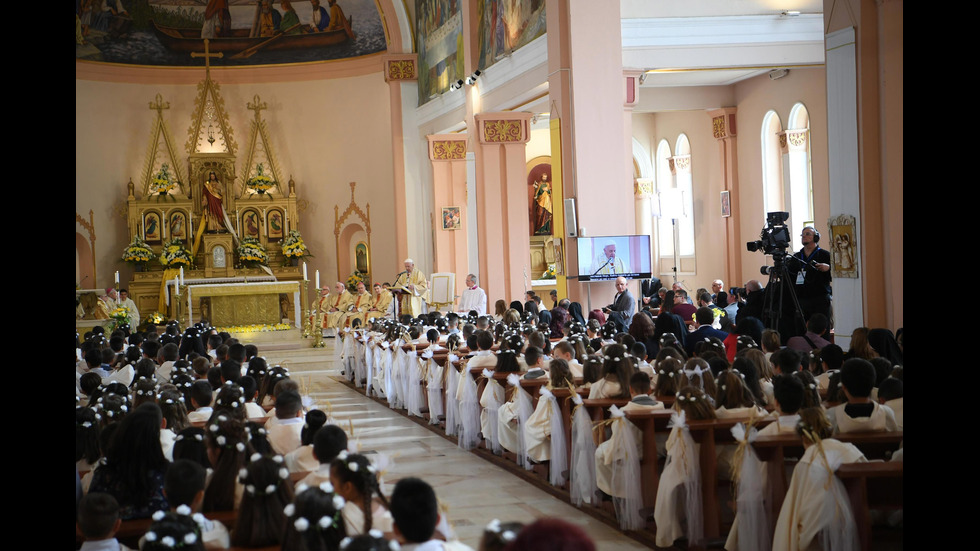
726	204
178	226
362	262
152	231
450	218
250	223
275	230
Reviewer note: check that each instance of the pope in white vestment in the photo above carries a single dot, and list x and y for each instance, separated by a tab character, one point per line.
413	281
607	262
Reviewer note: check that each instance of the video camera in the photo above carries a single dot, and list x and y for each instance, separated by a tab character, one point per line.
774	238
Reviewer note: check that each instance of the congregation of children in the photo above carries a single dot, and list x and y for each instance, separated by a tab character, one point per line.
498	382
199	433
214	448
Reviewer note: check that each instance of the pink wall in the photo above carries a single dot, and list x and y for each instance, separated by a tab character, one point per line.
755	97
325	134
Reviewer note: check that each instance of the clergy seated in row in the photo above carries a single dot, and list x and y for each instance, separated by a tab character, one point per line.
334	306
359	305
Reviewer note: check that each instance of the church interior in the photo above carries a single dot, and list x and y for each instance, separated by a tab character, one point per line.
686	122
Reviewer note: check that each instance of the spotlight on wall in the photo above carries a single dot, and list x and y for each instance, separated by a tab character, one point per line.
790	13
777	74
471	80
456	85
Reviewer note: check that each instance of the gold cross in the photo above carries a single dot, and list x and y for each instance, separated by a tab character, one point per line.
159	105
207	55
257	105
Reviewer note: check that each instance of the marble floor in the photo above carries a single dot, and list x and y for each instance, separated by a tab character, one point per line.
472	490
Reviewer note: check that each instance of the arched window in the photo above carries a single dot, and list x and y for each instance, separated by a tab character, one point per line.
772	163
796	171
685	183
665	181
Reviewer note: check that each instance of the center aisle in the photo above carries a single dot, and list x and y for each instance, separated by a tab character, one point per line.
473	491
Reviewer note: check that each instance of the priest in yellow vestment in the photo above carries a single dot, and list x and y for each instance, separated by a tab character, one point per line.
359	305
335	305
380	302
413	302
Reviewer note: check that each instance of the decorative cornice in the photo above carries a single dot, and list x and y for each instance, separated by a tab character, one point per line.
793	140
643	188
723	123
447	147
503	127
400	67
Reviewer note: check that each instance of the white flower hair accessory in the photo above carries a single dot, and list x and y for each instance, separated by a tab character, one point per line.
301	524
344	543
221	440
283	473
243	473
183	510
508	536
168	541
394	545
289	510
240	446
326	486
151	536
338	502
353	466
342	455
158	516
277	459
255	457
493	526
375	533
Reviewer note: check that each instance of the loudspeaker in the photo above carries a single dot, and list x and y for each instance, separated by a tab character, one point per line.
571	227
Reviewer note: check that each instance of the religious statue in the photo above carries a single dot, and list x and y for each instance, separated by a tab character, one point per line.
214	210
542	206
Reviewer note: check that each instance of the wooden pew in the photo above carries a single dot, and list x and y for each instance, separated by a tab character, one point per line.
873	485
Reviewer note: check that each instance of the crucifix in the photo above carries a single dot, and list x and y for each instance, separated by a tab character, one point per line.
207	55
159	105
257	105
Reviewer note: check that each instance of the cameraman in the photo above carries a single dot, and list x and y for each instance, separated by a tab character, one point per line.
812	283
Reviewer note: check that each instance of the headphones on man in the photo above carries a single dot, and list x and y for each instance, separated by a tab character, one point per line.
816	234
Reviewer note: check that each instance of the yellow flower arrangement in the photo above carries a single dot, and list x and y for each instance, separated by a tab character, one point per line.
162	183
251	253
550	273
294	247
353	280
174	254
138	252
260	183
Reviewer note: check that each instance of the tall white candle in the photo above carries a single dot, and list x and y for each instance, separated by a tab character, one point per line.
117	278
318	279
181	275
305	276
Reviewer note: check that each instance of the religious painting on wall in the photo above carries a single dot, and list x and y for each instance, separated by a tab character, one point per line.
276	229
506	25
178	226
152	230
540	196
439	38
245	32
843	246
726	204
450	218
250	223
361	261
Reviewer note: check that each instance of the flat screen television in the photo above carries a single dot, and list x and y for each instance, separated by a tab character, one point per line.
613	256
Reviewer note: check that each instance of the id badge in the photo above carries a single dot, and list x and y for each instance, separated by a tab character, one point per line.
799	278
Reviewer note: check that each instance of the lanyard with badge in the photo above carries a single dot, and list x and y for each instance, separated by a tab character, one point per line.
801	275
